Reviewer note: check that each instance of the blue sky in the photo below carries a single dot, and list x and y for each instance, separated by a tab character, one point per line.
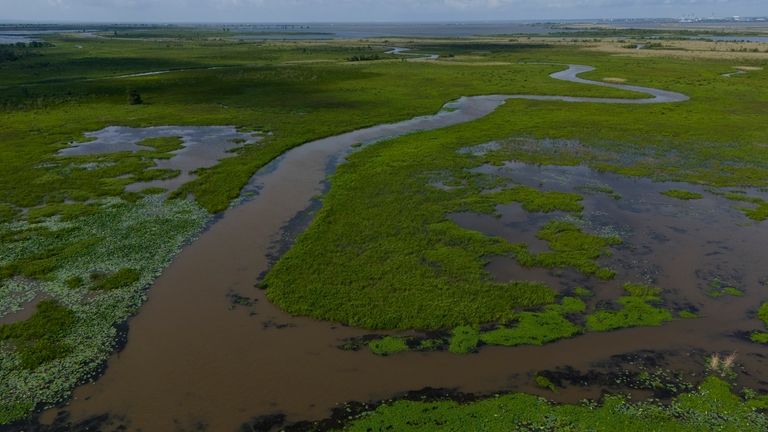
364	10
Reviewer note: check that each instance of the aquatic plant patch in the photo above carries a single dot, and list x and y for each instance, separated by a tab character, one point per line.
570	247
636	309
759	210
682	194
92	287
762	315
713	406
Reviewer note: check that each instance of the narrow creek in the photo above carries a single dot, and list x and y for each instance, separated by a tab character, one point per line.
196	360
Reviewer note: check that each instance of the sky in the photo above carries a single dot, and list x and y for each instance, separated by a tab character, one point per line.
365	10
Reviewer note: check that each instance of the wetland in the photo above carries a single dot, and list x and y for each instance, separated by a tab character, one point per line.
327	244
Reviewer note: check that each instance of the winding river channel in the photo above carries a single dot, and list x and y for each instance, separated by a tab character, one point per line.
197	360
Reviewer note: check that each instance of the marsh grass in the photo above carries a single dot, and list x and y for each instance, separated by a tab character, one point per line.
712	406
38	339
682	194
570	247
762	315
80	334
388	345
545	383
382	233
718	288
119	279
759	212
722	365
635	309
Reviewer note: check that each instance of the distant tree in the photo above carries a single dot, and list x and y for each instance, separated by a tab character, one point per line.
134	98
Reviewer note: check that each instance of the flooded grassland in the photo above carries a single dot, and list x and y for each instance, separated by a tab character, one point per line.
619	254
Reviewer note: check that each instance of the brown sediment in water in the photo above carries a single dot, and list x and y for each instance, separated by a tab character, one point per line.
195	359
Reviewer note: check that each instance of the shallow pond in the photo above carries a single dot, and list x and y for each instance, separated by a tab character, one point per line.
202	147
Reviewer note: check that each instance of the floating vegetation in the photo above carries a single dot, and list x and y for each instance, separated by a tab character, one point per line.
718	288
388	345
635	309
682	194
599	188
93	269
759	212
762	314
570	247
545	383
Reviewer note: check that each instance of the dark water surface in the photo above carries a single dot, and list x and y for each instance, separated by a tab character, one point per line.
197	360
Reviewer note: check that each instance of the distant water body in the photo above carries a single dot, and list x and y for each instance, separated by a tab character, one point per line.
9	38
371	30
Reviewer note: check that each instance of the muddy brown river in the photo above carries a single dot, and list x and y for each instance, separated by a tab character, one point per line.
209	352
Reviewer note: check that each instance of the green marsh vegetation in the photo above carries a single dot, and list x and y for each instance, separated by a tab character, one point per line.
348	270
718	288
757	212
682	194
637	308
762	315
640	307
70	231
712	406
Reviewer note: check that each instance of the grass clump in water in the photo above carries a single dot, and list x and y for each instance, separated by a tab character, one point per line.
718	288
163	146
600	188
545	383
760	210
535	200
538	328
570	248
38	339
682	194
464	340
686	314
388	345
635	310
762	315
